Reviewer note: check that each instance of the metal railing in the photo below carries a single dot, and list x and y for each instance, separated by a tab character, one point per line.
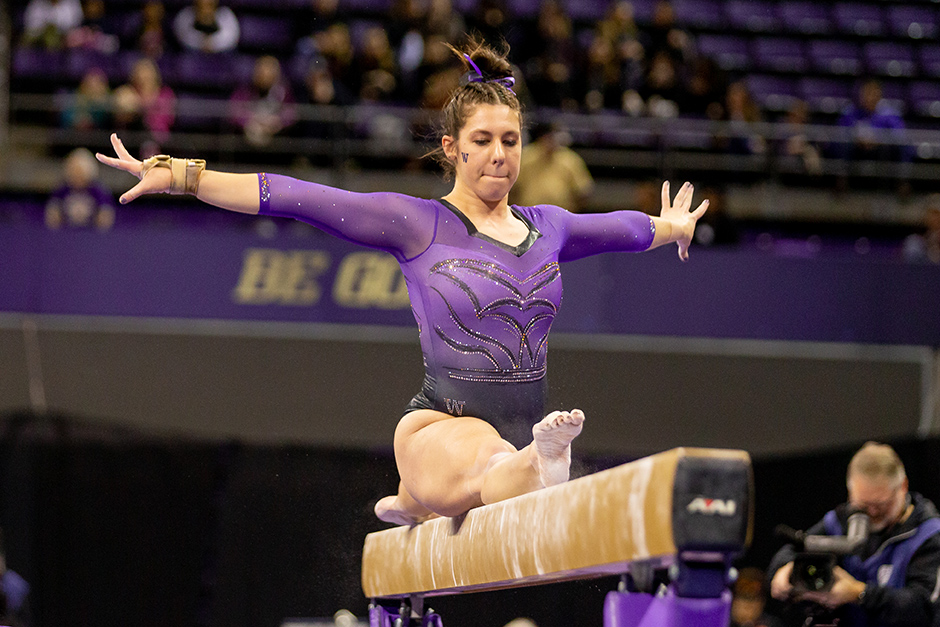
608	141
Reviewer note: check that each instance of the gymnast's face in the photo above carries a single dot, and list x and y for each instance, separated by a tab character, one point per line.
487	151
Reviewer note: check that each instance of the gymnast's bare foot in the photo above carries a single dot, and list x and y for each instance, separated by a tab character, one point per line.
552	437
389	510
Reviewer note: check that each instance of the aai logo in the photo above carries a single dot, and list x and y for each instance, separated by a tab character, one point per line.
712	507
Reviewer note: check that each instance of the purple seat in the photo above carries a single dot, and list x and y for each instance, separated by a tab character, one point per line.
833	56
811	18
269	35
826	95
78	62
773	93
924	98
888	58
916	22
859	19
779	54
364	6
587	10
523	8
929	57
895	93
197	114
465	7
34	63
221	72
698	13
730	52
752	15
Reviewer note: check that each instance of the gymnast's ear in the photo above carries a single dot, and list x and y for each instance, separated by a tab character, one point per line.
449	145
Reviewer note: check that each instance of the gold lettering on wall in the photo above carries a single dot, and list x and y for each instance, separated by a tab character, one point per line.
370	279
279	277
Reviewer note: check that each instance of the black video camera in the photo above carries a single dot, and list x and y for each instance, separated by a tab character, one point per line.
817	556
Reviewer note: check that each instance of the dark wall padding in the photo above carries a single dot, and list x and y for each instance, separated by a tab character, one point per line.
113	528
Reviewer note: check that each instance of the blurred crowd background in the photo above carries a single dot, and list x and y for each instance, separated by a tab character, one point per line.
778	109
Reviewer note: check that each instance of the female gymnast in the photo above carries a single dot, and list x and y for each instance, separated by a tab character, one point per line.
484	283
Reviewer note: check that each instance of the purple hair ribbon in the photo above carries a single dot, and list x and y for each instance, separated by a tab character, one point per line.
506	81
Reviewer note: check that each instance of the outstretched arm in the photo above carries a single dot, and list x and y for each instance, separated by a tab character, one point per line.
631	231
399	224
235	192
675	222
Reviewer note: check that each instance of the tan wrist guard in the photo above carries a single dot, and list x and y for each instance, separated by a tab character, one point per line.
184	172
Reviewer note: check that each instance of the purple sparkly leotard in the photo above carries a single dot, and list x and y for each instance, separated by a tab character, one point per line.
483	308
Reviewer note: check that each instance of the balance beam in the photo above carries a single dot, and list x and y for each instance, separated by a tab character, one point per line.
691	501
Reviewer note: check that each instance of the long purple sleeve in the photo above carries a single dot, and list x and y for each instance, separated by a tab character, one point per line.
484	308
399	224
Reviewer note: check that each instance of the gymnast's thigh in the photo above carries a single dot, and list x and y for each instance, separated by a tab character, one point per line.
436	452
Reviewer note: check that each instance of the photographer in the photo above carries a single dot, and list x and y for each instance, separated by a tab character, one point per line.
891	578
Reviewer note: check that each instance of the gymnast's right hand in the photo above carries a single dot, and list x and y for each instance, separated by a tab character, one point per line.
155	181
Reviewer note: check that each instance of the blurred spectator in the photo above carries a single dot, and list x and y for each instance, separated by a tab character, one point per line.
871	121
664	35
551	173
335	46
662	90
443	21
749	598
90	105
622	58
602	75
796	141
718	228
321	88
407	38
741	113
551	68
490	19
264	107
145	103
925	245
46	23
440	75
81	201
207	27
148	31
94	31
375	60
705	89
404	17
315	17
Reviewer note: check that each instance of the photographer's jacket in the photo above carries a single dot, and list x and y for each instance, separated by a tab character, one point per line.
900	566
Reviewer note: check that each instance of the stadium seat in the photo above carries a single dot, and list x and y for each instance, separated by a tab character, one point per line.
828	96
730	52
834	56
33	66
779	54
915	22
773	93
889	58
809	18
698	13
265	35
929	58
755	16
924	98
859	19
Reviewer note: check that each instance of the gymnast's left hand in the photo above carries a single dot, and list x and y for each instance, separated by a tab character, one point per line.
683	221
